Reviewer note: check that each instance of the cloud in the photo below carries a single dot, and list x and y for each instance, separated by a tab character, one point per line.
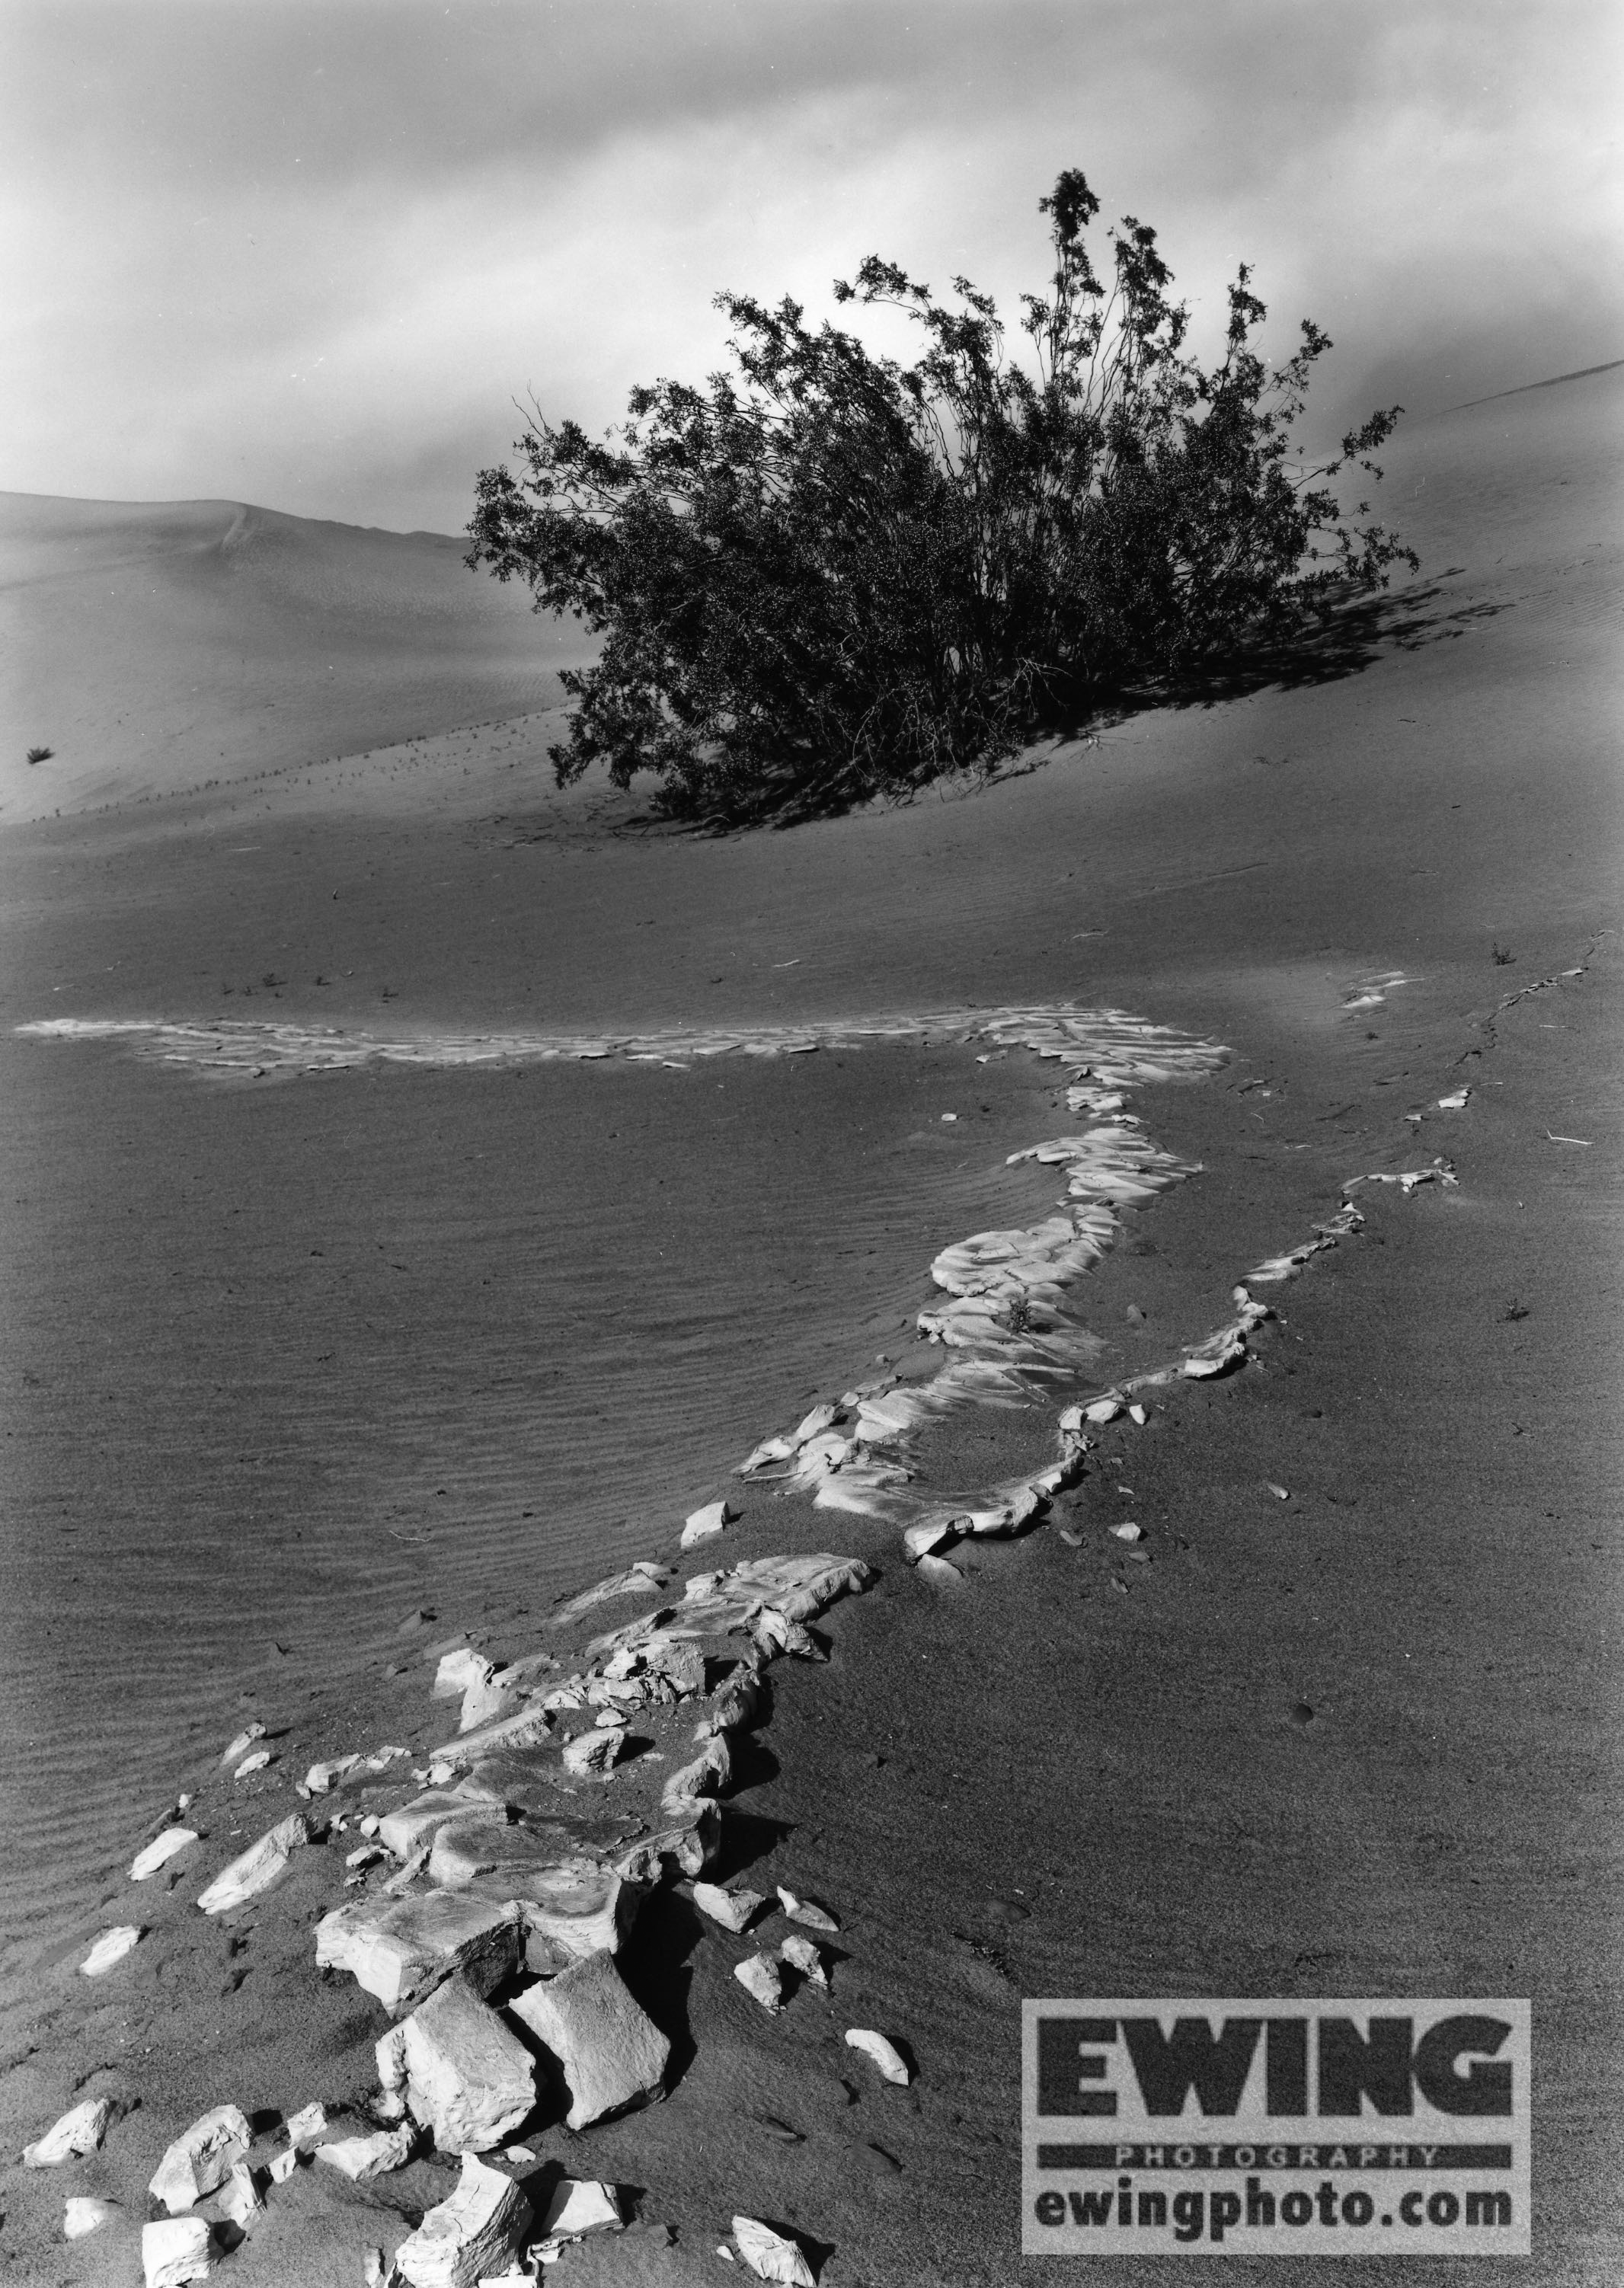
307	252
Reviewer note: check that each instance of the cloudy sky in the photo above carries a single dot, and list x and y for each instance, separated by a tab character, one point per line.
307	252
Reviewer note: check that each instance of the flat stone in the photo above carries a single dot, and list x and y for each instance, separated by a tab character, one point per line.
176	2250
704	1523
201	2158
522	1729
256	1869
80	2131
770	2255
305	2128
762	1980
110	1948
483	1701
359	2159
608	2055
159	1852
402	1830
806	1910
83	2213
469	2237
323	1777
243	1741
573	1908
580	2205
733	1910
803	1955
464	2075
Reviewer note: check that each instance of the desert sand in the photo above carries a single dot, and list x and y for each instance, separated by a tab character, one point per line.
295	1355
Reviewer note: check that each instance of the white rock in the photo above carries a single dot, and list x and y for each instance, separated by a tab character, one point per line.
1137	1414
735	1706
359	2159
580	2205
576	1907
239	2196
400	1951
201	2158
876	2046
802	1955
1456	1102
256	1869
159	1852
111	1947
1102	1410
321	1777
254	1763
468	2236
176	2250
926	1538
731	1909
305	2128
707	1522
457	1670
1127	1532
465	2076
82	2212
708	1774
481	1701
692	1843
762	1980
939	1570
803	1911
769	2255
243	1741
78	2132
402	1830
593	1753
610	2055
282	2165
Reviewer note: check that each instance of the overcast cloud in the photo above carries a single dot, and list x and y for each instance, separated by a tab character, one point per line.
306	252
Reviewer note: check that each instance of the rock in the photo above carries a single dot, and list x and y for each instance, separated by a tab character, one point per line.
705	1522
769	2255
464	2076
1136	1414
358	2158
257	1868
467	2237
283	2164
708	1774
239	2196
78	2132
402	1830
926	1538
1102	1410
610	2055
111	1947
762	1980
802	1955
303	2128
593	1753
579	2206
733	1910
321	1777
201	2158
1455	1101
159	1852
176	2250
690	1844
250	1764
243	1741
1127	1531
735	1707
805	1910
481	1703
457	1670
885	2056
81	2214
472	1844
939	1570
575	1908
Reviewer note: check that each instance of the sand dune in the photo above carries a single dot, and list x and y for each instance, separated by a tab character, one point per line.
157	645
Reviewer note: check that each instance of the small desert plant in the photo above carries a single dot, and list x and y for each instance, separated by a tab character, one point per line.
826	573
41	754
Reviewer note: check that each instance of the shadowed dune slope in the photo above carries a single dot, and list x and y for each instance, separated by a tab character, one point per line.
155	645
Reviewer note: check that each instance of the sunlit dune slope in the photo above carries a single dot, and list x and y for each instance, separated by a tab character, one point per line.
159	645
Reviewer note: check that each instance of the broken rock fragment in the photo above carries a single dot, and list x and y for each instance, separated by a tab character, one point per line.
707	1522
256	1869
573	1908
708	1774
243	1741
303	2128
884	2053
762	1980
579	2206
240	2199
176	2250
81	2214
360	2158
803	1955
323	1777
610	2055
159	1852
733	1910
463	2074
591	1754
201	2158
111	1947
806	1910
770	2255
469	2237
457	1670
78	2132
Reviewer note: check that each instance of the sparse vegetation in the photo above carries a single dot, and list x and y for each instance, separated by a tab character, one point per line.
826	574
41	754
